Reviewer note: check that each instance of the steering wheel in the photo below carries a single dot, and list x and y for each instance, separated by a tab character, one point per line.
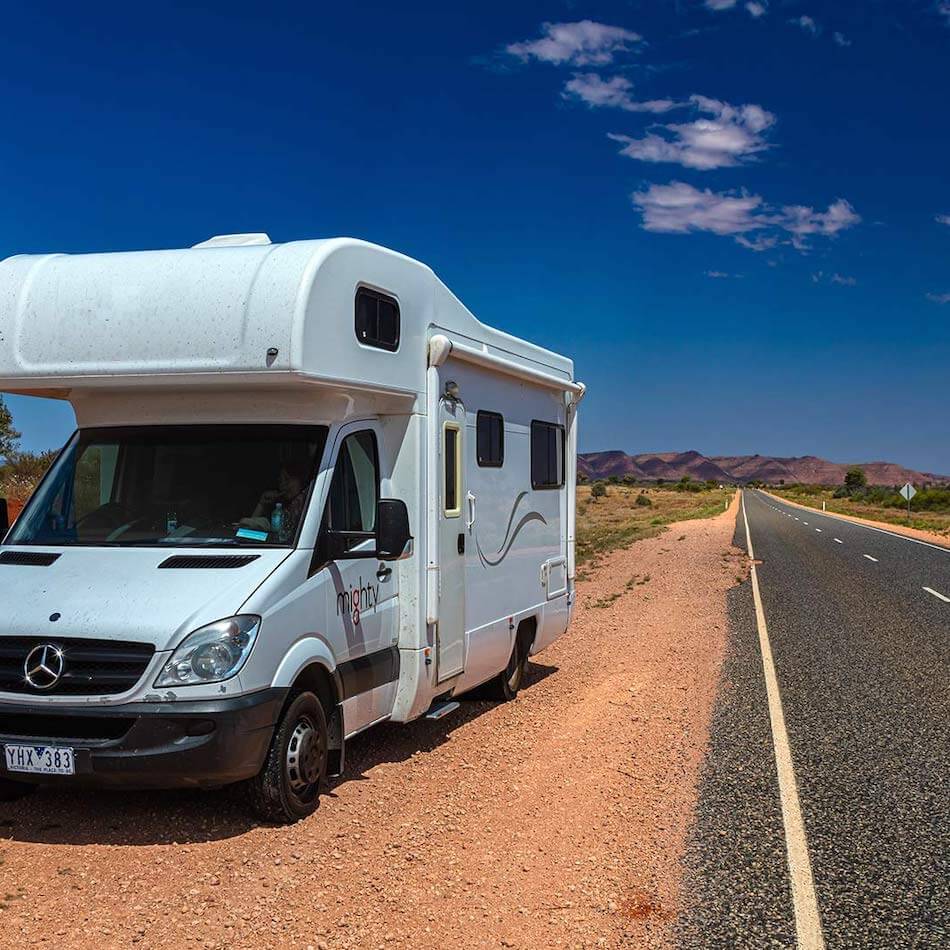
114	511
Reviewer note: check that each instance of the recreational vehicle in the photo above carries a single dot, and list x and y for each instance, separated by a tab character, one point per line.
309	492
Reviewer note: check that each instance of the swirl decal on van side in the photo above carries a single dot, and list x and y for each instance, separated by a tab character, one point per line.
510	535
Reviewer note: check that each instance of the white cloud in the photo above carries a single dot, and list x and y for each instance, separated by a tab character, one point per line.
802	222
732	136
836	278
942	219
720	4
943	8
756	9
579	44
939	298
721	275
841	39
806	23
679	208
614	93
760	242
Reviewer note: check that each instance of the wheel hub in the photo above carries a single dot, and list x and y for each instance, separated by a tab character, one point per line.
303	757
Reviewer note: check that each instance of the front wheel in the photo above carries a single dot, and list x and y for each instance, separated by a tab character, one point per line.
288	786
11	791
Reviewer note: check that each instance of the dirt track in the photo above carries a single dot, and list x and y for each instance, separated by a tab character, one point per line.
555	820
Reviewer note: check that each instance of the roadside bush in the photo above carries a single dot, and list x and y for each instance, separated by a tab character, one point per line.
643	501
598	490
930	499
21	472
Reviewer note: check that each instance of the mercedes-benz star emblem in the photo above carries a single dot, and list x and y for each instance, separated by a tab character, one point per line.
43	667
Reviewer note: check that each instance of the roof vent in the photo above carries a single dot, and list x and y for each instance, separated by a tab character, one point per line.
188	562
236	240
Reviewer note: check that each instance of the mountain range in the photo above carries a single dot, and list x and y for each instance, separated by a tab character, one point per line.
809	469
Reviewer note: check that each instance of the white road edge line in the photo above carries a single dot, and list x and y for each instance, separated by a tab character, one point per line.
839	540
818	530
808	931
868	556
938	595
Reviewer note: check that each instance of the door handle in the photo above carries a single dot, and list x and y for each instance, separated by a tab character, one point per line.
384	573
471	511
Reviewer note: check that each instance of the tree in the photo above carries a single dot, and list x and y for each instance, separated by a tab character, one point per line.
9	437
598	490
855	479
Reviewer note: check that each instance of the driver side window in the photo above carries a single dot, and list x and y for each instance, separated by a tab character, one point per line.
354	492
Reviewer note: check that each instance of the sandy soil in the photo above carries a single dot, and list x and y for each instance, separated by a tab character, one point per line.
931	536
555	820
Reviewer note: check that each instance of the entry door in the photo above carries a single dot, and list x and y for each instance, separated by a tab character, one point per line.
451	630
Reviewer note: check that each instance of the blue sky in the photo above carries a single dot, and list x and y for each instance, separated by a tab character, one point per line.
734	215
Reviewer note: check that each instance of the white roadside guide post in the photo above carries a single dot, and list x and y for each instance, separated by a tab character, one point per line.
908	491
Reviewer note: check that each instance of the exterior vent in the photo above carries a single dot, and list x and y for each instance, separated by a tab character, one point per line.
190	562
83	728
28	558
235	240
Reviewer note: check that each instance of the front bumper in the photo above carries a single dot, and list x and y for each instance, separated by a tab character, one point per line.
149	745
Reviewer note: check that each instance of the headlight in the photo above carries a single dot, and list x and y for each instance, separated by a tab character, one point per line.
211	654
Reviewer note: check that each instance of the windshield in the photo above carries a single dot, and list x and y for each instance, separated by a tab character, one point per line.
176	485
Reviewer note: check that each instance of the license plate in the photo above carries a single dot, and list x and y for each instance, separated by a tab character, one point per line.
40	759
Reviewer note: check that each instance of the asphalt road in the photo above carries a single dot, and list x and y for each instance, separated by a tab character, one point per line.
860	637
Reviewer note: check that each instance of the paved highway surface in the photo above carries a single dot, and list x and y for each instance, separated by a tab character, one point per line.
858	621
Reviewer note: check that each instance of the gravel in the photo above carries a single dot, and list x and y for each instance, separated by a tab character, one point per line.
557	820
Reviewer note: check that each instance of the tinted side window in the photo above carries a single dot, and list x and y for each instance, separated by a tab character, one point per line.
547	455
490	439
354	490
377	320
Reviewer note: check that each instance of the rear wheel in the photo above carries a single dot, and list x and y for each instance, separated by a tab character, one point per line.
288	786
11	791
505	685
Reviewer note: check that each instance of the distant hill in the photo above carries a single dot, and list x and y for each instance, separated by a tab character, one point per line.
672	466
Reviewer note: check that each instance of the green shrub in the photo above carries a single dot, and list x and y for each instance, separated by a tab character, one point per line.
643	501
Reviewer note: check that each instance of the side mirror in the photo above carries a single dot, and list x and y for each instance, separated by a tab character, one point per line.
4	518
394	542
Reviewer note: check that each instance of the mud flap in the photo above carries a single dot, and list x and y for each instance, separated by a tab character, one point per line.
336	752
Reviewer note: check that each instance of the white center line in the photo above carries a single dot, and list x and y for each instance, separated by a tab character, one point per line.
868	556
818	530
804	900
938	595
805	522
839	540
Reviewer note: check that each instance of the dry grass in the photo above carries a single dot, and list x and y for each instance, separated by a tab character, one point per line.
937	522
604	524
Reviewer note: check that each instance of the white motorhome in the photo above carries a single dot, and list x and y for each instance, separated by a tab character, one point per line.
308	492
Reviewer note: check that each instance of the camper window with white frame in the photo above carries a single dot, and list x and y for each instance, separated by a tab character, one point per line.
451	470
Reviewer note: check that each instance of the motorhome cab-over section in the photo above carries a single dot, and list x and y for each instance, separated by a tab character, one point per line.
308	492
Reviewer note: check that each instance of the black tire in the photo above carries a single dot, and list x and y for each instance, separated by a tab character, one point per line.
12	791
288	786
504	687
